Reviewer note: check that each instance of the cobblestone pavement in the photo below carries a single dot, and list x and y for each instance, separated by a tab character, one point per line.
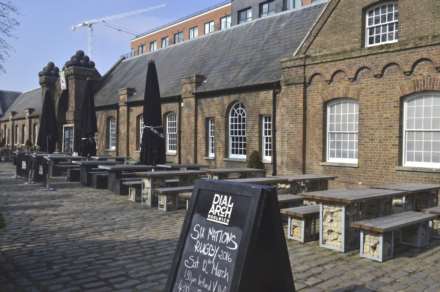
82	239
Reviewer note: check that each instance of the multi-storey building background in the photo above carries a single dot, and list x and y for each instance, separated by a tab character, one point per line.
216	18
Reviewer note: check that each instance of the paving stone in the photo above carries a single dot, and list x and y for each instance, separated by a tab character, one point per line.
83	239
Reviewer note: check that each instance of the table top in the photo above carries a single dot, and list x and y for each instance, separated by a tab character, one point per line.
282	179
302	211
235	170
150	174
349	196
410	187
434	210
180	166
125	167
95	162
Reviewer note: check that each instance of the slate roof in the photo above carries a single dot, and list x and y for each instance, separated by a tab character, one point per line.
30	99
244	55
6	99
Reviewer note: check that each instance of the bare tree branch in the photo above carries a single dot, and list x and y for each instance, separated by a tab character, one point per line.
8	23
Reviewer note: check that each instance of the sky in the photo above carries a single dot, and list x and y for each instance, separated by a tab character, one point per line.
45	33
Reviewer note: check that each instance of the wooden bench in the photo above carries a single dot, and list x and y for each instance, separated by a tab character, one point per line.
73	174
377	235
99	179
435	224
169	197
303	223
134	189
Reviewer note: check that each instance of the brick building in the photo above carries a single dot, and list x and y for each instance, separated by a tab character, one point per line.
345	88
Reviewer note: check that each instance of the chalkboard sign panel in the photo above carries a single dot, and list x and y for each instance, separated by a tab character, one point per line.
220	238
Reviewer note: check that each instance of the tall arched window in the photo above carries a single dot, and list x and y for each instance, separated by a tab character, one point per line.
111	134
342	131
23	134
382	24
140	130
35	134
171	133
421	130
16	135
237	131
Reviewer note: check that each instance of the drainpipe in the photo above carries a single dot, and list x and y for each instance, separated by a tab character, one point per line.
304	116
275	93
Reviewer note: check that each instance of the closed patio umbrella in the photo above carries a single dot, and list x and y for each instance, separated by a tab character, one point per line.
153	141
48	133
87	123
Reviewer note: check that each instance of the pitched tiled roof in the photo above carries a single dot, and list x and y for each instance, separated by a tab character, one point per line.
245	55
6	99
27	100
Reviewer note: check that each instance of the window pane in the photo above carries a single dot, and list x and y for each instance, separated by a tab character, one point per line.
382	24
342	127
237	131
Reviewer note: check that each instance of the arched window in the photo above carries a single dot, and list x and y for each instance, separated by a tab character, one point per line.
237	131
35	134
421	131
171	131
342	131
23	134
111	134
16	135
382	24
140	130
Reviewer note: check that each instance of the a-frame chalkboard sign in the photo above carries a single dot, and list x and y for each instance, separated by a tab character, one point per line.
232	240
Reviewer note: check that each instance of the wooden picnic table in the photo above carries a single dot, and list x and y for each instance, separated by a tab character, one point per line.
419	196
157	179
228	173
53	160
116	173
87	166
291	184
341	207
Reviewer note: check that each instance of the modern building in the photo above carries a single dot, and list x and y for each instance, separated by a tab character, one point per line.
191	27
218	17
345	88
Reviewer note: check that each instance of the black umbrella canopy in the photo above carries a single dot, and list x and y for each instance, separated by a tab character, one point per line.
153	141
48	133
87	123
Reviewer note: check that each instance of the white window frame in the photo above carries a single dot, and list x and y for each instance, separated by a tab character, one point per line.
266	139
140	122
209	27
111	141
329	157
164	42
235	128
177	39
269	4
171	133
36	130
69	126
420	164
249	16
381	24
193	32
141	49
225	22
211	137
153	46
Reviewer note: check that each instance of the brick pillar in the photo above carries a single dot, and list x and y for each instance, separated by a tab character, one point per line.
11	126
28	128
123	148
290	122
78	71
188	119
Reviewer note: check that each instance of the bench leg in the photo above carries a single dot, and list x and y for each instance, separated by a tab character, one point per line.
295	229
435	228
416	236
168	203
377	247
